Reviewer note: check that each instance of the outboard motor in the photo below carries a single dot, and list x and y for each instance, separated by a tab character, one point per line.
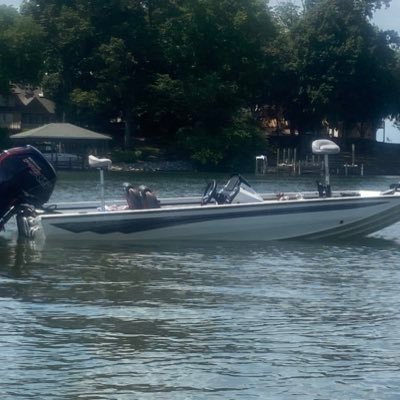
27	181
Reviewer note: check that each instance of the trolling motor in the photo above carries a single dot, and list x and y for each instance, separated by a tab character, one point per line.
325	147
101	164
27	181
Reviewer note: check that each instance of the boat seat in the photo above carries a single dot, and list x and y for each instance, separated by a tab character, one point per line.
141	197
324	147
102	163
133	198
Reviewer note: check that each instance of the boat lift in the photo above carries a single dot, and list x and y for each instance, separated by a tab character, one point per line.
261	165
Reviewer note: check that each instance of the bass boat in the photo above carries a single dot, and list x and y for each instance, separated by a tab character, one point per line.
234	212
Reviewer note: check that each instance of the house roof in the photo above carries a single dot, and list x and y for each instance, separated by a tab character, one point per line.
28	96
60	131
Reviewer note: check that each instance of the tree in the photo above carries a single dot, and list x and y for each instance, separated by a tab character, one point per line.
343	65
287	14
21	48
97	56
69	38
218	47
365	7
216	59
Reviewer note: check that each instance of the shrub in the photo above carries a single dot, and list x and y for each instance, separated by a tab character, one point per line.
125	156
231	148
142	153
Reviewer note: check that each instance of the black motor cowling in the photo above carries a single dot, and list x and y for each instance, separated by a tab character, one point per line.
26	178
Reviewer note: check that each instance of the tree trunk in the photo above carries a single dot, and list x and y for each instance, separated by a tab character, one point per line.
129	129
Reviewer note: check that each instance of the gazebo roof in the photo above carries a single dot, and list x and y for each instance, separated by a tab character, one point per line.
60	131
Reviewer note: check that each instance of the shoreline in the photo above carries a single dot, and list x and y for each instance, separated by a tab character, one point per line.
153	166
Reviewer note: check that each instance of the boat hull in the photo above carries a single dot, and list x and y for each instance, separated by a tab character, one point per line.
268	220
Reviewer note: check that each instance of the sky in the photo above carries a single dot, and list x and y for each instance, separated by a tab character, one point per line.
15	3
386	18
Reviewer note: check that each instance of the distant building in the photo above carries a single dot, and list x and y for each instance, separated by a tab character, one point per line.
275	124
25	108
65	145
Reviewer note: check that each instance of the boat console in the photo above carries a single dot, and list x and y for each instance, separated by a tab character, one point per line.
236	190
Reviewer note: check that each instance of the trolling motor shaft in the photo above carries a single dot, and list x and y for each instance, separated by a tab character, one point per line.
101	164
325	147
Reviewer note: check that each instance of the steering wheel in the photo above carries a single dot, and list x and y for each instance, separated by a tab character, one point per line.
209	192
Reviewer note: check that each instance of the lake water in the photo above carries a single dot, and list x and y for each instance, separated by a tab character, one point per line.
219	321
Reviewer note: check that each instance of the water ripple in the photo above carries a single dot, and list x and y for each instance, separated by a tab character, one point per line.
277	320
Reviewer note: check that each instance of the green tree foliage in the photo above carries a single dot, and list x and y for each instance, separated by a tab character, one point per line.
287	15
365	8
197	71
230	148
21	47
98	56
69	38
157	65
217	50
342	69
216	63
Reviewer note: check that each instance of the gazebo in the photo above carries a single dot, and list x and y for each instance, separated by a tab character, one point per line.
63	142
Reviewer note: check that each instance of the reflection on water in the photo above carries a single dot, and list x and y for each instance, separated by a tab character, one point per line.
200	321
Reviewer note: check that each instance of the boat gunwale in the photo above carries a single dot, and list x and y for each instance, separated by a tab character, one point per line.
62	213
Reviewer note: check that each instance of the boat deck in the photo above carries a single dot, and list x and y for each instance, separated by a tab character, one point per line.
182	202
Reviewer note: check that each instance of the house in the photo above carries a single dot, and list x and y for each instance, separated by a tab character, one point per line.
25	108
